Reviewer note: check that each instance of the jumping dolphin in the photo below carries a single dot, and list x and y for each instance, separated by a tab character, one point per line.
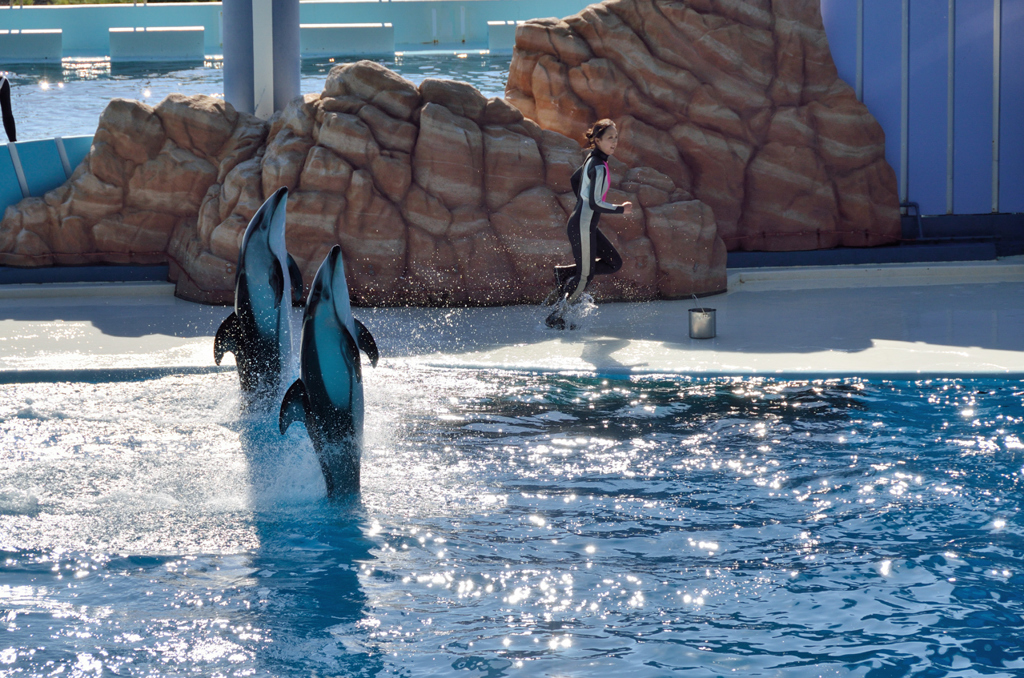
328	395
266	282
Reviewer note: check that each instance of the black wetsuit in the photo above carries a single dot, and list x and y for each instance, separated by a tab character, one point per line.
5	106
593	252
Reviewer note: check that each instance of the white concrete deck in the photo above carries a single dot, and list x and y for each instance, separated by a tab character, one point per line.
927	319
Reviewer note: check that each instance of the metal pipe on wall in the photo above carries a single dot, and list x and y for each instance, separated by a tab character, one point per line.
905	103
950	103
859	87
997	35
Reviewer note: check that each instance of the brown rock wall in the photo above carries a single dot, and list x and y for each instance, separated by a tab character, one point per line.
436	194
708	92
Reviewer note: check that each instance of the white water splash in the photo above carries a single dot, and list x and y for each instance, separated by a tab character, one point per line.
575	314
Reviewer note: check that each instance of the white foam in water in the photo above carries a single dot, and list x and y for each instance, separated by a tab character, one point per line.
575	315
16	501
283	470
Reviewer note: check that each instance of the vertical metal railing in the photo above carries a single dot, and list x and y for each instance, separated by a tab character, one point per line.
905	103
950	103
859	86
997	63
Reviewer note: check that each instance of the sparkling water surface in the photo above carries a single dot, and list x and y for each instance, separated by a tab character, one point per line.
517	524
66	100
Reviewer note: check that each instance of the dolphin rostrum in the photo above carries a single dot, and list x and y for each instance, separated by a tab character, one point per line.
267	281
328	395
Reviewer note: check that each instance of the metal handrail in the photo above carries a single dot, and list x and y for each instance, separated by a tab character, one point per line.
917	214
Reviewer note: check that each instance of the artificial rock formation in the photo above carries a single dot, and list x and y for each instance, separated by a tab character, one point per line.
436	194
147	175
735	101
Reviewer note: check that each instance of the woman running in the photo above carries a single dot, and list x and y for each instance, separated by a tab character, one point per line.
593	252
5	107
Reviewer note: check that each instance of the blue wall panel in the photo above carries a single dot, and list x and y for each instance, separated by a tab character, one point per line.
77	148
972	116
85	26
883	47
10	189
40	161
1011	109
929	54
840	18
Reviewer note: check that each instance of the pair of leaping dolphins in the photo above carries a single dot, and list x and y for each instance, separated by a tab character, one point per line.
328	395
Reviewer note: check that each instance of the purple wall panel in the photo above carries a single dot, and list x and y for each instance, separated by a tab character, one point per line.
840	19
972	103
1011	109
883	47
929	54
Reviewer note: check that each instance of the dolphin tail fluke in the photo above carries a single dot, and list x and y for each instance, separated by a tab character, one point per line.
227	339
367	343
295	273
293	407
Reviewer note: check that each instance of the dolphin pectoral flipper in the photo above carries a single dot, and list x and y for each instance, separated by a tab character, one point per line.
293	406
227	337
277	282
295	273
367	343
349	344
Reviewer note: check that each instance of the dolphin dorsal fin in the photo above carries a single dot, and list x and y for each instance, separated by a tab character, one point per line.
293	406
367	343
226	340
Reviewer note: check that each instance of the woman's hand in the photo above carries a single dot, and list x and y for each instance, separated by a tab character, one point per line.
627	207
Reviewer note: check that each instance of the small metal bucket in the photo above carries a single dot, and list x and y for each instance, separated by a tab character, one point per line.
702	323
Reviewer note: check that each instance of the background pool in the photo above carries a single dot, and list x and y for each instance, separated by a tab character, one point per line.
517	524
65	100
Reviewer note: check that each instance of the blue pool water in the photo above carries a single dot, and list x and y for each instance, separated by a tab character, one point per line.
518	524
65	100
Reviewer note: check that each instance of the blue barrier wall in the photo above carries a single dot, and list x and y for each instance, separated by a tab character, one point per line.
928	102
417	22
77	148
882	74
972	107
41	166
421	23
1011	109
953	84
10	188
841	25
86	26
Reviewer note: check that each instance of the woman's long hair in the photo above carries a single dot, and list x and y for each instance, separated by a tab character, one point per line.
597	131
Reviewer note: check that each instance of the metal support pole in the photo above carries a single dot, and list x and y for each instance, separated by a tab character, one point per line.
263	57
287	55
261	54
